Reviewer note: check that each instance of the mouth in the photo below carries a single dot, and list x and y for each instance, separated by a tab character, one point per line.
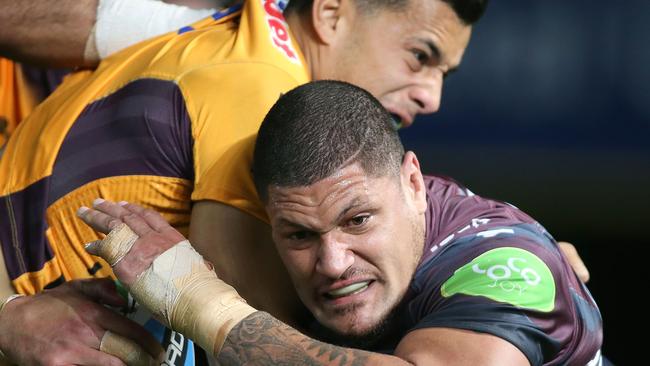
396	121
349	290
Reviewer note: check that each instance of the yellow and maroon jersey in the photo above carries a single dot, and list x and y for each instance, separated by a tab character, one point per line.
149	126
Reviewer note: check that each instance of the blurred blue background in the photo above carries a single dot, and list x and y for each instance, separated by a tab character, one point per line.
550	111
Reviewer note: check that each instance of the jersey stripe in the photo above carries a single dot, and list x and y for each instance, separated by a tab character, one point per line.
142	129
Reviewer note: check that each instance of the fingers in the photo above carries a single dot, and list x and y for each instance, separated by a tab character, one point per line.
127	330
101	290
575	261
97	220
153	218
134	220
138	343
91	357
105	217
127	350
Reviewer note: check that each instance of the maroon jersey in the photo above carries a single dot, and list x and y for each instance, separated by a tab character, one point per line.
490	268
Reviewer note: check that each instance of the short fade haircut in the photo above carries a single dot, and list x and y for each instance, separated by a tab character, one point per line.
320	127
469	11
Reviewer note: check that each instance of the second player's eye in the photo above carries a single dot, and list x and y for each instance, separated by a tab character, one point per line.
358	220
421	56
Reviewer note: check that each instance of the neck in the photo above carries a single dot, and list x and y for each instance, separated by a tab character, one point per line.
305	36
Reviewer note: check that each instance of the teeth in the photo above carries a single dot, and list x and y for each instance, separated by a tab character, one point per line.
347	290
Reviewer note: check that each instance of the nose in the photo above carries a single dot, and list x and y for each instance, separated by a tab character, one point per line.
334	257
427	95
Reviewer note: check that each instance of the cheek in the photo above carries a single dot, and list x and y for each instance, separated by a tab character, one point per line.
299	264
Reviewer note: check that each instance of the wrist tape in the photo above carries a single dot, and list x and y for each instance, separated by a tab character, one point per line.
122	23
181	290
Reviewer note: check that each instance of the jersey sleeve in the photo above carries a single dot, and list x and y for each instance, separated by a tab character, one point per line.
227	104
508	281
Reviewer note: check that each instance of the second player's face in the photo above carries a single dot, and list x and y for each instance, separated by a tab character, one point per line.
351	244
402	57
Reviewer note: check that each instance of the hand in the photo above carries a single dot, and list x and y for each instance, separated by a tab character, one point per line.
65	326
155	234
164	273
575	261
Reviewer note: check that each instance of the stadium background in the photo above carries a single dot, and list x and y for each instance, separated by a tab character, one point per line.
551	112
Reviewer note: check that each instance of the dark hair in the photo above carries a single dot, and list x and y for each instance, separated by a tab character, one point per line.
469	11
320	127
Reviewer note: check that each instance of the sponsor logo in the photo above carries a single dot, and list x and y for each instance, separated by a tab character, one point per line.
509	275
278	27
174	354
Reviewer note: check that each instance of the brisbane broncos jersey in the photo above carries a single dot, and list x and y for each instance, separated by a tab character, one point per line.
148	126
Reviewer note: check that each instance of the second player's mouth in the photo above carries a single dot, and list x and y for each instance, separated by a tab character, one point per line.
396	121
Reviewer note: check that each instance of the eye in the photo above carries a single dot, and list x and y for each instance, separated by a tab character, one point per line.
358	220
421	56
300	235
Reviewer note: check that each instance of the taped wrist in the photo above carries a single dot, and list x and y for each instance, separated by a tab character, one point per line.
182	291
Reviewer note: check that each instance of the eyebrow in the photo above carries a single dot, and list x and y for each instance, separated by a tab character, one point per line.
355	203
282	221
435	52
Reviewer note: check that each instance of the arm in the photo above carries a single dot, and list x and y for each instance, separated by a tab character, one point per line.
251	335
571	254
69	324
240	247
52	33
69	33
265	340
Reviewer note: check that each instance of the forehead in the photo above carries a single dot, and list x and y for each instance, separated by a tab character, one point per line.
347	187
432	20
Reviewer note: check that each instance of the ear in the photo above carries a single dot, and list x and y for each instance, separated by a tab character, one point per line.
413	182
327	16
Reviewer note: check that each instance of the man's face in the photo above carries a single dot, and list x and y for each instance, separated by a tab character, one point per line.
350	243
400	56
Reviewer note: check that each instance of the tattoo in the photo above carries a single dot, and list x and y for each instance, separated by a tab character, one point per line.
260	339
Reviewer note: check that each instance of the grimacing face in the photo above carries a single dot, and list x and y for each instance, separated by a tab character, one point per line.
351	243
401	57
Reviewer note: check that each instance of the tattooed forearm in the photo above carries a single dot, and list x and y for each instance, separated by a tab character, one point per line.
261	339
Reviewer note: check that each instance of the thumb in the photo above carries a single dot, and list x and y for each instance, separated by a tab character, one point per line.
93	247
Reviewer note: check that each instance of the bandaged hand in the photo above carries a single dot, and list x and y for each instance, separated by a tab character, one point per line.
164	273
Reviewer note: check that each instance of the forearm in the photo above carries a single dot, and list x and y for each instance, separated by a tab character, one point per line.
46	32
262	339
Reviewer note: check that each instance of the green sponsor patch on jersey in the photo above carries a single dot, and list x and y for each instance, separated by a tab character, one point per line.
510	275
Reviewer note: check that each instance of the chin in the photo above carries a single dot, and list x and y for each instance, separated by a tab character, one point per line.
350	331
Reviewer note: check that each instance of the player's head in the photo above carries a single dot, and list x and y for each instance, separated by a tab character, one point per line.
346	203
398	50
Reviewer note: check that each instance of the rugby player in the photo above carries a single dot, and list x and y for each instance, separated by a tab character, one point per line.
415	269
